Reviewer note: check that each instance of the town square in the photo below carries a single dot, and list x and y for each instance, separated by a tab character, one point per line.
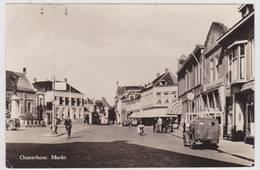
129	85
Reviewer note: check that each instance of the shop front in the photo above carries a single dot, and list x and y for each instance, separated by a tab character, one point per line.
240	117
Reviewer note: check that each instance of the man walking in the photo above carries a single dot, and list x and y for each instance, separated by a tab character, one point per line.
159	122
68	126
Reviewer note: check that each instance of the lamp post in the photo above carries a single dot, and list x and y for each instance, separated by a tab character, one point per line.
70	68
53	129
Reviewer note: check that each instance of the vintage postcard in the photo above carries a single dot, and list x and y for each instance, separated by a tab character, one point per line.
129	85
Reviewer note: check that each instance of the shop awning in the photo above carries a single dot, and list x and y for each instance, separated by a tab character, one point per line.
248	86
151	113
174	109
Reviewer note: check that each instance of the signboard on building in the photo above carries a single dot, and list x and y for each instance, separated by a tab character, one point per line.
190	96
60	86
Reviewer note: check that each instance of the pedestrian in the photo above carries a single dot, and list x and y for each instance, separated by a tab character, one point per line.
171	123
159	122
55	125
130	123
154	124
68	126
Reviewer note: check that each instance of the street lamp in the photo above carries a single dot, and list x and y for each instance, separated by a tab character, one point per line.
70	68
53	102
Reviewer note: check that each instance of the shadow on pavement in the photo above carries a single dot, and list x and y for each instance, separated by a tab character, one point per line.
117	154
72	137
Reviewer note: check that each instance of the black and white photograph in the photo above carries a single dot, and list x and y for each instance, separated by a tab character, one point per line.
128	85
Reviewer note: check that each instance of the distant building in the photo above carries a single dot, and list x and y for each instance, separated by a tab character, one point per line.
69	102
102	110
156	97
121	102
17	83
89	110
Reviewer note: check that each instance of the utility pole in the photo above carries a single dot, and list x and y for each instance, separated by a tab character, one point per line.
54	50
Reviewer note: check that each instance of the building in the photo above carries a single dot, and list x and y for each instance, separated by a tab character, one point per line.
238	49
156	97
190	81
121	101
20	90
102	110
89	110
69	102
133	101
214	75
39	102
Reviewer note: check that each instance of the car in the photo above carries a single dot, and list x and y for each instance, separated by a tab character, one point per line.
201	130
12	124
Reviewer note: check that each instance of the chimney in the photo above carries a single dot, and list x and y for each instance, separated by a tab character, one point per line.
34	79
24	70
166	70
65	80
158	74
52	78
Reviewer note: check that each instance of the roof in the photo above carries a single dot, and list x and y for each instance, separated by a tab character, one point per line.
47	86
168	77
88	101
122	89
198	47
238	24
18	79
102	103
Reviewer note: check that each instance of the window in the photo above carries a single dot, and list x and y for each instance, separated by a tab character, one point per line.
166	93
230	68
196	74
60	100
29	107
216	67
158	93
252	57
211	70
242	62
166	101
159	101
237	65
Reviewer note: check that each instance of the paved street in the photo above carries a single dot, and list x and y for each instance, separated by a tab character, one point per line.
110	146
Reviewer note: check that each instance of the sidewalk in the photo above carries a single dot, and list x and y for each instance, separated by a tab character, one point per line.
234	148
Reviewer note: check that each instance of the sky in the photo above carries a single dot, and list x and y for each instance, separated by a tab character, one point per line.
103	43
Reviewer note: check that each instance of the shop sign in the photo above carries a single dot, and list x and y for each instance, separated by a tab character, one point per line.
190	96
60	86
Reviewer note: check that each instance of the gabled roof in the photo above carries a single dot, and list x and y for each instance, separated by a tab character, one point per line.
168	78
102	103
47	86
236	26
20	80
88	101
122	89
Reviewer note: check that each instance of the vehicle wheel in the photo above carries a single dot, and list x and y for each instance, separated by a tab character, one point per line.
192	146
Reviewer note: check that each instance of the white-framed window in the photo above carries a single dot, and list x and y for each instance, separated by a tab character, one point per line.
237	63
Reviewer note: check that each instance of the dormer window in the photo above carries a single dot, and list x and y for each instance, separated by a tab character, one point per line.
162	82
